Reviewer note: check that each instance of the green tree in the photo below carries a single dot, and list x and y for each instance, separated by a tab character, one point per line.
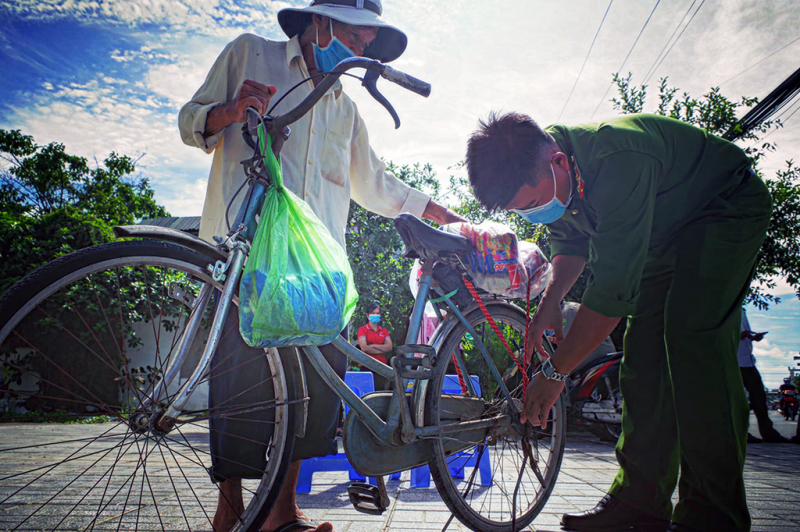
373	247
53	203
780	253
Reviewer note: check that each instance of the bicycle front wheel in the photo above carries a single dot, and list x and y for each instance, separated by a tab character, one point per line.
501	479
85	342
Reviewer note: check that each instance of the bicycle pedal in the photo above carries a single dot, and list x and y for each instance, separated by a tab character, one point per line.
367	498
414	361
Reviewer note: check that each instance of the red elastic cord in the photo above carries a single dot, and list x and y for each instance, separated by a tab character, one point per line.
496	329
460	376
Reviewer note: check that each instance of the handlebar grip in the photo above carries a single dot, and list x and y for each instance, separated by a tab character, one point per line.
407	82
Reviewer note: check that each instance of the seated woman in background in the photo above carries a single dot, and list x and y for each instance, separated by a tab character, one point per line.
375	340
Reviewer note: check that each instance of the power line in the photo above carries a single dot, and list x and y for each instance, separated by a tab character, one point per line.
759	62
670	38
787	110
676	40
626	57
584	61
783	122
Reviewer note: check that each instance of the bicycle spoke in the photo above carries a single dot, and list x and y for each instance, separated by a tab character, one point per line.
177	495
518	489
189	484
86	358
120	454
110	469
66	374
65	487
70	458
130	477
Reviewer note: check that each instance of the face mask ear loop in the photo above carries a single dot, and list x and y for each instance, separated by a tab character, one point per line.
555	184
317	36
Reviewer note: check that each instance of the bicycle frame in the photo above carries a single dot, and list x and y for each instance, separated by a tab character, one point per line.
399	428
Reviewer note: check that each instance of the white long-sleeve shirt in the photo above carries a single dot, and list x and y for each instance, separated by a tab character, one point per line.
327	159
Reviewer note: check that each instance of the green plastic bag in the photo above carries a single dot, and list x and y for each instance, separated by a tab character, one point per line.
297	287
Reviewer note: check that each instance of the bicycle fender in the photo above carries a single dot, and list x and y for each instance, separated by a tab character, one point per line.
297	387
171	235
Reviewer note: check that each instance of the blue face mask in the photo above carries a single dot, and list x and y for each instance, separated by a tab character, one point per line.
330	56
374	318
550	211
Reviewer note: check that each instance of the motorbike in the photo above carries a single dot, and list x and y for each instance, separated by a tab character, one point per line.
594	401
789	405
594	397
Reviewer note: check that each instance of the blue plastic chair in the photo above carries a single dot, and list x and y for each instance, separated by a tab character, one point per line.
361	382
421	476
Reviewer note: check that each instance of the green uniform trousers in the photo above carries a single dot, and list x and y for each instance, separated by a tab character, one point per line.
684	407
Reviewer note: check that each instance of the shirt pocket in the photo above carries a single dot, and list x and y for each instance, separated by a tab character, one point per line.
335	163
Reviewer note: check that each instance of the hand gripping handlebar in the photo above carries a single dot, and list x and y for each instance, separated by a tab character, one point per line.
374	69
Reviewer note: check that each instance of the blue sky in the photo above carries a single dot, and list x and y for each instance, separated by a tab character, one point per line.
111	75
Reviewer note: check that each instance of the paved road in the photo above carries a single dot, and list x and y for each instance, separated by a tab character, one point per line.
771	475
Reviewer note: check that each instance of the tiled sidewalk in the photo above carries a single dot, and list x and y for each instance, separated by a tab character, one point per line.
772	476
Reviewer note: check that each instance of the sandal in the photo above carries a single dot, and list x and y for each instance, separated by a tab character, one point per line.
300	525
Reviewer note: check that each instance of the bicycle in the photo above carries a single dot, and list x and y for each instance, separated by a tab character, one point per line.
74	331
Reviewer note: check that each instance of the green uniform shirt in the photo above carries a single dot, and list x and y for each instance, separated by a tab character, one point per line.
643	178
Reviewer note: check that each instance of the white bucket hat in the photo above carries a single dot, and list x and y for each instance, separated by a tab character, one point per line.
387	46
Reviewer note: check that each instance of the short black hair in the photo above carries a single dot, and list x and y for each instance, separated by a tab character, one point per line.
372	306
504	153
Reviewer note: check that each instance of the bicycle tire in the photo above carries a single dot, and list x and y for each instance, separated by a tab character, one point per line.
84	397
483	513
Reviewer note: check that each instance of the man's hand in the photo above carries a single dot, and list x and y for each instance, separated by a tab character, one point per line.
548	316
540	396
251	94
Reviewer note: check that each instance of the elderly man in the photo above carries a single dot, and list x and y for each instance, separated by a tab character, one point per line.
669	219
327	162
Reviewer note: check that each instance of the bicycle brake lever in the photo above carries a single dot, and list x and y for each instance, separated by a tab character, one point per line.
370	82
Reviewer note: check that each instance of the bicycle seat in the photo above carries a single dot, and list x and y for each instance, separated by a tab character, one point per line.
423	241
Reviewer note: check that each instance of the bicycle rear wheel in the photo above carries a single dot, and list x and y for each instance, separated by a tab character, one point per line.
84	342
503	478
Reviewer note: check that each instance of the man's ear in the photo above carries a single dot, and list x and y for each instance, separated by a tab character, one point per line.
319	21
561	161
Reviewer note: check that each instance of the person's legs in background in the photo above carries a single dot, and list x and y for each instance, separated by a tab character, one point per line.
758	402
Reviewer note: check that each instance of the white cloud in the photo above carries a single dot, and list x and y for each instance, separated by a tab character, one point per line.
525	56
184	198
772	362
212	17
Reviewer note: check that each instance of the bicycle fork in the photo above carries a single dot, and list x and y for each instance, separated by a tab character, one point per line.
229	272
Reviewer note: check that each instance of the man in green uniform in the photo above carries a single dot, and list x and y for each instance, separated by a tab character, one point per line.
669	219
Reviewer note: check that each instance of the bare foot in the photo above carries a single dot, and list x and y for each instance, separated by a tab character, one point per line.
229	505
278	518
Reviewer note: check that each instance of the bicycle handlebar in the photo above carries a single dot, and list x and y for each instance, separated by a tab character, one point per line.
374	70
407	82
